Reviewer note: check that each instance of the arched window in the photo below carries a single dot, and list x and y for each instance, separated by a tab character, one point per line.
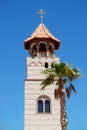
40	106
47	106
44	104
46	65
42	47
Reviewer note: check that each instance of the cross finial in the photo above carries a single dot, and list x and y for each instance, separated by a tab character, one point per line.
41	12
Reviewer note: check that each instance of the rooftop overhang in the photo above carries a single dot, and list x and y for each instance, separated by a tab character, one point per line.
28	42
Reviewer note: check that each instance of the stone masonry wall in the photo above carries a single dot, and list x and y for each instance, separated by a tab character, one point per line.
32	119
36	65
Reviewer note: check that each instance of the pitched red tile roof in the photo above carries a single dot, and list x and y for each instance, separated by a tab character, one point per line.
41	32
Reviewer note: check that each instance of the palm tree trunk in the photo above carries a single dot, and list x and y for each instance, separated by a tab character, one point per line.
63	114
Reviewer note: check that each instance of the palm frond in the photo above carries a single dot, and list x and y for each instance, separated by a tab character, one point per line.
49	71
67	92
65	80
75	70
48	81
72	73
72	88
59	68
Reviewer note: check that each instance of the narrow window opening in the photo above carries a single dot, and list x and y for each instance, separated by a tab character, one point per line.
46	65
40	106
47	106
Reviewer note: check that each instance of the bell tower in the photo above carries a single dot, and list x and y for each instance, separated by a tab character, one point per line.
41	110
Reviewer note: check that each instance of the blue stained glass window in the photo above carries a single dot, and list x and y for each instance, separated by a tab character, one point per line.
47	106
40	106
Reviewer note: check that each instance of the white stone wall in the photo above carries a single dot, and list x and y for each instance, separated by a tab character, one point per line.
32	119
36	65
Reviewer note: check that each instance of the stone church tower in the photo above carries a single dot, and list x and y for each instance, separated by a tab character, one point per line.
41	110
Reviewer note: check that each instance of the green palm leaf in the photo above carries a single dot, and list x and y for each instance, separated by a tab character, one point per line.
48	81
61	73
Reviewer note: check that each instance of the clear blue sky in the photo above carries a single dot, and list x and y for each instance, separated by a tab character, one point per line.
67	20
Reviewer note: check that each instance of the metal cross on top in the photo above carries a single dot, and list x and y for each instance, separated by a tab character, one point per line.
41	12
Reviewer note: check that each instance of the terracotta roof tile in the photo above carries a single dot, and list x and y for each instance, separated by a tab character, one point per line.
41	32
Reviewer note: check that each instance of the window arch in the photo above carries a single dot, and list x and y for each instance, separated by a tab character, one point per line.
43	104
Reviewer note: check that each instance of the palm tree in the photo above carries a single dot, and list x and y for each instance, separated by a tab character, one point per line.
61	74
